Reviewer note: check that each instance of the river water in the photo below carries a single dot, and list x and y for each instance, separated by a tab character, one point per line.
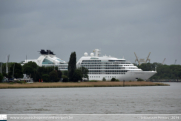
93	100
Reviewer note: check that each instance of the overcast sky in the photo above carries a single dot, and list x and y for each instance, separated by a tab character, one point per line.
117	27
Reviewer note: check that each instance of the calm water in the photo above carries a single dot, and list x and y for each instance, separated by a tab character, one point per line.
98	100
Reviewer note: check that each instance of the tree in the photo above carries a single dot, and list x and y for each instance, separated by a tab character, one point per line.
53	76
31	64
139	79
65	73
45	77
16	70
72	66
59	74
30	68
4	74
113	79
77	75
36	76
65	78
1	77
163	71
84	72
103	79
4	67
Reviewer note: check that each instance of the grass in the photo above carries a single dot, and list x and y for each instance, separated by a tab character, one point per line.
78	84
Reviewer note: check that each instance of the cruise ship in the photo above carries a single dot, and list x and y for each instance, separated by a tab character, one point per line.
110	67
47	59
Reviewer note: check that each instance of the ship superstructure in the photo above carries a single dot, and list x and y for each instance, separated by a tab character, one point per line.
110	67
48	58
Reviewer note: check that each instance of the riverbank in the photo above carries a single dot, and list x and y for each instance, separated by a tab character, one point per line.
78	84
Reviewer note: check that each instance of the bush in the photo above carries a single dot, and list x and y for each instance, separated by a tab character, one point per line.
65	78
45	77
117	80
53	76
139	79
113	79
104	79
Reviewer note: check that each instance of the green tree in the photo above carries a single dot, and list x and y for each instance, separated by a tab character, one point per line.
1	77
4	74
163	71
45	77
65	78
59	74
140	79
41	71
16	70
84	72
53	76
77	75
4	67
65	73
113	79
31	64
72	66
37	76
30	68
103	79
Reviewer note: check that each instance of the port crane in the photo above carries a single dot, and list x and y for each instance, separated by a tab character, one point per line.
175	61
142	60
137	59
163	60
148	58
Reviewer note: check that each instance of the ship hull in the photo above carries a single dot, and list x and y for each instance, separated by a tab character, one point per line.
129	76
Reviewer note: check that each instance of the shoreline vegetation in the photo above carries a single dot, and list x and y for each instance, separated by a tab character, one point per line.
79	84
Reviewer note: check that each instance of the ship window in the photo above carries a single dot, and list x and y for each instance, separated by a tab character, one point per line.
46	61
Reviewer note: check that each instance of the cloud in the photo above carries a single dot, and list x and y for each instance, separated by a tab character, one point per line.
118	28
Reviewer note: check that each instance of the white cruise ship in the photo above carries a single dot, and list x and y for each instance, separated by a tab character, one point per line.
110	67
48	58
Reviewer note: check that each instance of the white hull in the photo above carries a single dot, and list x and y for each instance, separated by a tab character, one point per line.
129	76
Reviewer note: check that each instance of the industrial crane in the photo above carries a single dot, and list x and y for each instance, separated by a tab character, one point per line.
148	58
7	64
175	61
142	60
163	60
137	59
